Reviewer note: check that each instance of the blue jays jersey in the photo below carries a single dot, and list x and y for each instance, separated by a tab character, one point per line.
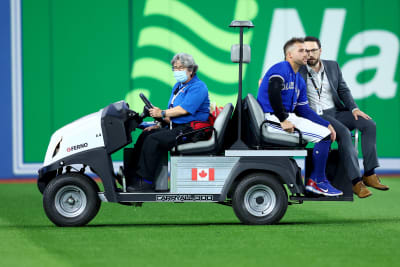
293	94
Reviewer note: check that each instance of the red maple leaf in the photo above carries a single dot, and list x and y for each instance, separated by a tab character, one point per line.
203	174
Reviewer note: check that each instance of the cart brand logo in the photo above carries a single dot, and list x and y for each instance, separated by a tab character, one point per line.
175	198
77	147
203	175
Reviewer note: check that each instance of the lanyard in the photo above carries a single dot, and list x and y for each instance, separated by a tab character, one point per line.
175	96
176	93
319	91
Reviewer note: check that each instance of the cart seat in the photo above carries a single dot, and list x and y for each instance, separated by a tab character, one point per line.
266	136
212	145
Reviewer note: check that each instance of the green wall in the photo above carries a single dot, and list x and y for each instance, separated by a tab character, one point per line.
78	56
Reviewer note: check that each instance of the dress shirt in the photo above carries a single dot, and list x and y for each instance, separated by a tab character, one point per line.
325	100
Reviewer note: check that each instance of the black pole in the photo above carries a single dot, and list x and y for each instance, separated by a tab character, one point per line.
239	100
239	144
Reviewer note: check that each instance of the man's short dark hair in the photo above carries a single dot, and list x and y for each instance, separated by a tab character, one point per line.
291	42
313	39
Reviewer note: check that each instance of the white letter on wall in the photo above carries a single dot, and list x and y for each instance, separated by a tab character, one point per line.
382	84
331	32
286	24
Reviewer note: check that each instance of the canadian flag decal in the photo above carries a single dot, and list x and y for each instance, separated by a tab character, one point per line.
202	174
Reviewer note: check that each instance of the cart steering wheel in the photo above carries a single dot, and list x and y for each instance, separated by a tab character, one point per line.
148	105
146	101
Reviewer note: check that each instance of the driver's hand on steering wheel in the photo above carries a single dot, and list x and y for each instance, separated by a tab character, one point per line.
155	112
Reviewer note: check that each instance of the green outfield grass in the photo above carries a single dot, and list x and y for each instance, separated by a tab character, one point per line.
365	232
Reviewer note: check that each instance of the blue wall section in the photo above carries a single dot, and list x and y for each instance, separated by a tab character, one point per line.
5	91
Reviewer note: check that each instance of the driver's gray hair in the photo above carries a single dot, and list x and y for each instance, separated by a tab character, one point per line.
186	60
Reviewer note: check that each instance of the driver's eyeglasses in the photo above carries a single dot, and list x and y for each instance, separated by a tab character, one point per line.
312	51
174	68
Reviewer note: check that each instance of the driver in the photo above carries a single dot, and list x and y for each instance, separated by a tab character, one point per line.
189	101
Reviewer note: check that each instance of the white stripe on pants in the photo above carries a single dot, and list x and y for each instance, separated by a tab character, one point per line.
311	131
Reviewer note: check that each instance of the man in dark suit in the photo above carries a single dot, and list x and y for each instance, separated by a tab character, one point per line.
330	97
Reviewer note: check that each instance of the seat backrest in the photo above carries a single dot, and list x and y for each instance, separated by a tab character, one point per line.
209	145
255	109
221	123
257	117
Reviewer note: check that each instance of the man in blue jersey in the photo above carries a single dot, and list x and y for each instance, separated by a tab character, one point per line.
283	98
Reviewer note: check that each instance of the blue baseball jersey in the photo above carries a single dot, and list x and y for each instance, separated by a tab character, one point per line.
192	97
294	93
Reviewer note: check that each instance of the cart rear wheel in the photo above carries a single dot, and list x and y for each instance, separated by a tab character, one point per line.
260	199
71	200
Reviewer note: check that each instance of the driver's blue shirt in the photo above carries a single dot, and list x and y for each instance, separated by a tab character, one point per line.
192	97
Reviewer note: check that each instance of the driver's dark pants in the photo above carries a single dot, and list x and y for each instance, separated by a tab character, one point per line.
151	146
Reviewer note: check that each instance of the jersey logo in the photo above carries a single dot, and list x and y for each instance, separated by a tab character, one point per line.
289	86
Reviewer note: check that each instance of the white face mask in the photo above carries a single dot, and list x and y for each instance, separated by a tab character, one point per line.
180	75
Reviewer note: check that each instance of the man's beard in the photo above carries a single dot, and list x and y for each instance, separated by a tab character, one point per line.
312	62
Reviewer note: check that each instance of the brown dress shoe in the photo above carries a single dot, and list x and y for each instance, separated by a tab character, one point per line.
361	190
374	181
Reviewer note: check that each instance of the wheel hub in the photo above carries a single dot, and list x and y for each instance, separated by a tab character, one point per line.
260	200
70	201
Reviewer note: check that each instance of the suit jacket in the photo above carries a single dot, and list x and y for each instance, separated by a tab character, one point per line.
340	91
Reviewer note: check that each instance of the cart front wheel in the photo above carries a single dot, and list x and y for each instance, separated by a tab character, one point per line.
71	200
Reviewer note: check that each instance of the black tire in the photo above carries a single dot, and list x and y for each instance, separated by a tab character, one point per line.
260	198
71	200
